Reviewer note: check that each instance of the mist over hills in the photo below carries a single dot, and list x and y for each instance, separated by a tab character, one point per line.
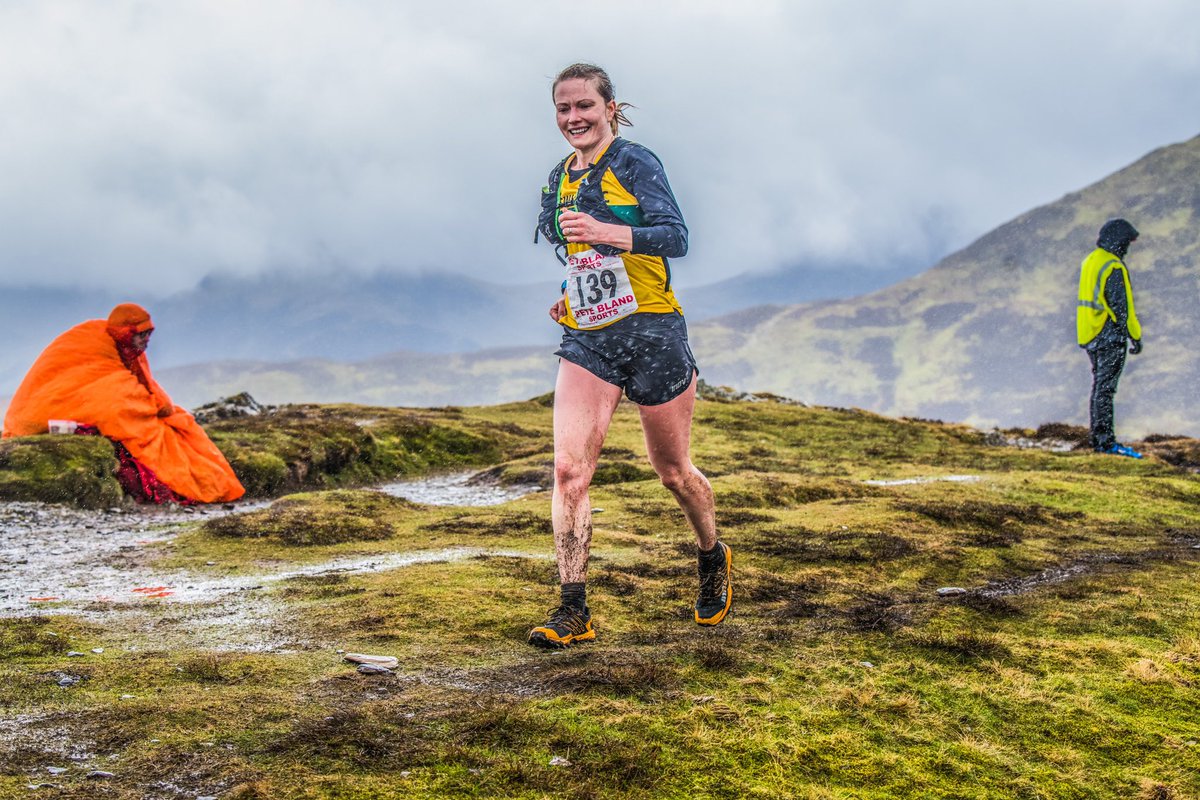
309	318
987	335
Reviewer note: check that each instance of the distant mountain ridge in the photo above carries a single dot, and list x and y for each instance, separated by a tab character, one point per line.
349	317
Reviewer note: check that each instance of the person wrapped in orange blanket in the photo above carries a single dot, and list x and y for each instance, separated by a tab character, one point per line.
97	375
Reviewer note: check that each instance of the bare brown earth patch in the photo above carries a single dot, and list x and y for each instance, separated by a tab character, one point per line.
847	546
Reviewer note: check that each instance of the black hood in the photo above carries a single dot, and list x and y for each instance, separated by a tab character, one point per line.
1116	235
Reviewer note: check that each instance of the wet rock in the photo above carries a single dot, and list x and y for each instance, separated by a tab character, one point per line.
387	662
951	591
238	405
374	669
725	394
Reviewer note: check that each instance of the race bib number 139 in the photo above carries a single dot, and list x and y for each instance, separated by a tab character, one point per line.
598	289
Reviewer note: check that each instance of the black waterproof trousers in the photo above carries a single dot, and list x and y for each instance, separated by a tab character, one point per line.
1108	360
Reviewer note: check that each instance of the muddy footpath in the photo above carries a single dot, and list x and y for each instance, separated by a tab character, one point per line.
103	566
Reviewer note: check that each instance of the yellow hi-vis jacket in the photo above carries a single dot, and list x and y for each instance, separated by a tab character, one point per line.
1092	310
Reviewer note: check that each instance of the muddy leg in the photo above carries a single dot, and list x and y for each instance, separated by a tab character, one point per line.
583	408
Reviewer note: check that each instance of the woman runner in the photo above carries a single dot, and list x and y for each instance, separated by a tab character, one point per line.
609	209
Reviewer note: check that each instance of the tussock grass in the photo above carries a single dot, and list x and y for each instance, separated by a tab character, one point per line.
1068	669
320	518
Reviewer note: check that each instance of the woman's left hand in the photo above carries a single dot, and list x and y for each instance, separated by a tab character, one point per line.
580	227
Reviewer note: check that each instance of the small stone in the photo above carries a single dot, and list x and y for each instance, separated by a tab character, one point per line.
97	650
559	761
210	563
52	634
68	680
56	770
36	786
596	511
74	654
404	773
128	697
951	591
99	773
374	669
390	662
866	664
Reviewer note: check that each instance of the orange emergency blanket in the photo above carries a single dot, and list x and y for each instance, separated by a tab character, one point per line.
82	377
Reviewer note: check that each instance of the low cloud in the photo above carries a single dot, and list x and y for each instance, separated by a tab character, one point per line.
147	145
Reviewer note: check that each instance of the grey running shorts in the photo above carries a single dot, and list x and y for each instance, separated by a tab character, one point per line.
645	354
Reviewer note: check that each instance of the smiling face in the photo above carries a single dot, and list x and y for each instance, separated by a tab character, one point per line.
584	118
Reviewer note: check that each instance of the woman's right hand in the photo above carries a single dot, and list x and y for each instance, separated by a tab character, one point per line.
559	309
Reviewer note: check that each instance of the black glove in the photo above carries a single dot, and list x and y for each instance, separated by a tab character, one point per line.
1135	346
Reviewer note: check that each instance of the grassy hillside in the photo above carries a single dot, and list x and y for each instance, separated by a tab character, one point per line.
1067	669
987	336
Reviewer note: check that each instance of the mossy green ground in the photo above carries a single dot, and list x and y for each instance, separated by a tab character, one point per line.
841	673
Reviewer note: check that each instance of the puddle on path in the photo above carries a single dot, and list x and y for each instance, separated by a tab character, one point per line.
458	489
930	479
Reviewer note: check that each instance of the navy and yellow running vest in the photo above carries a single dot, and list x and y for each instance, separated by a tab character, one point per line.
632	190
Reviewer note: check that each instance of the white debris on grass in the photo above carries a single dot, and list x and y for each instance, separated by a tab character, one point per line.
928	479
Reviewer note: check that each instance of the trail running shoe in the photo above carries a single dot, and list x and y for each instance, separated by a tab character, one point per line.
565	626
1121	450
716	591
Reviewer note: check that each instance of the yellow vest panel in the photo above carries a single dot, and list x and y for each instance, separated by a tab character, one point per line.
1092	309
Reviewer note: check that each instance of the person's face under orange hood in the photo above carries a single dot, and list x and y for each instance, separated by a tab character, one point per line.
130	327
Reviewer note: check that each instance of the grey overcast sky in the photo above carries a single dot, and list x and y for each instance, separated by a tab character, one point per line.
147	144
